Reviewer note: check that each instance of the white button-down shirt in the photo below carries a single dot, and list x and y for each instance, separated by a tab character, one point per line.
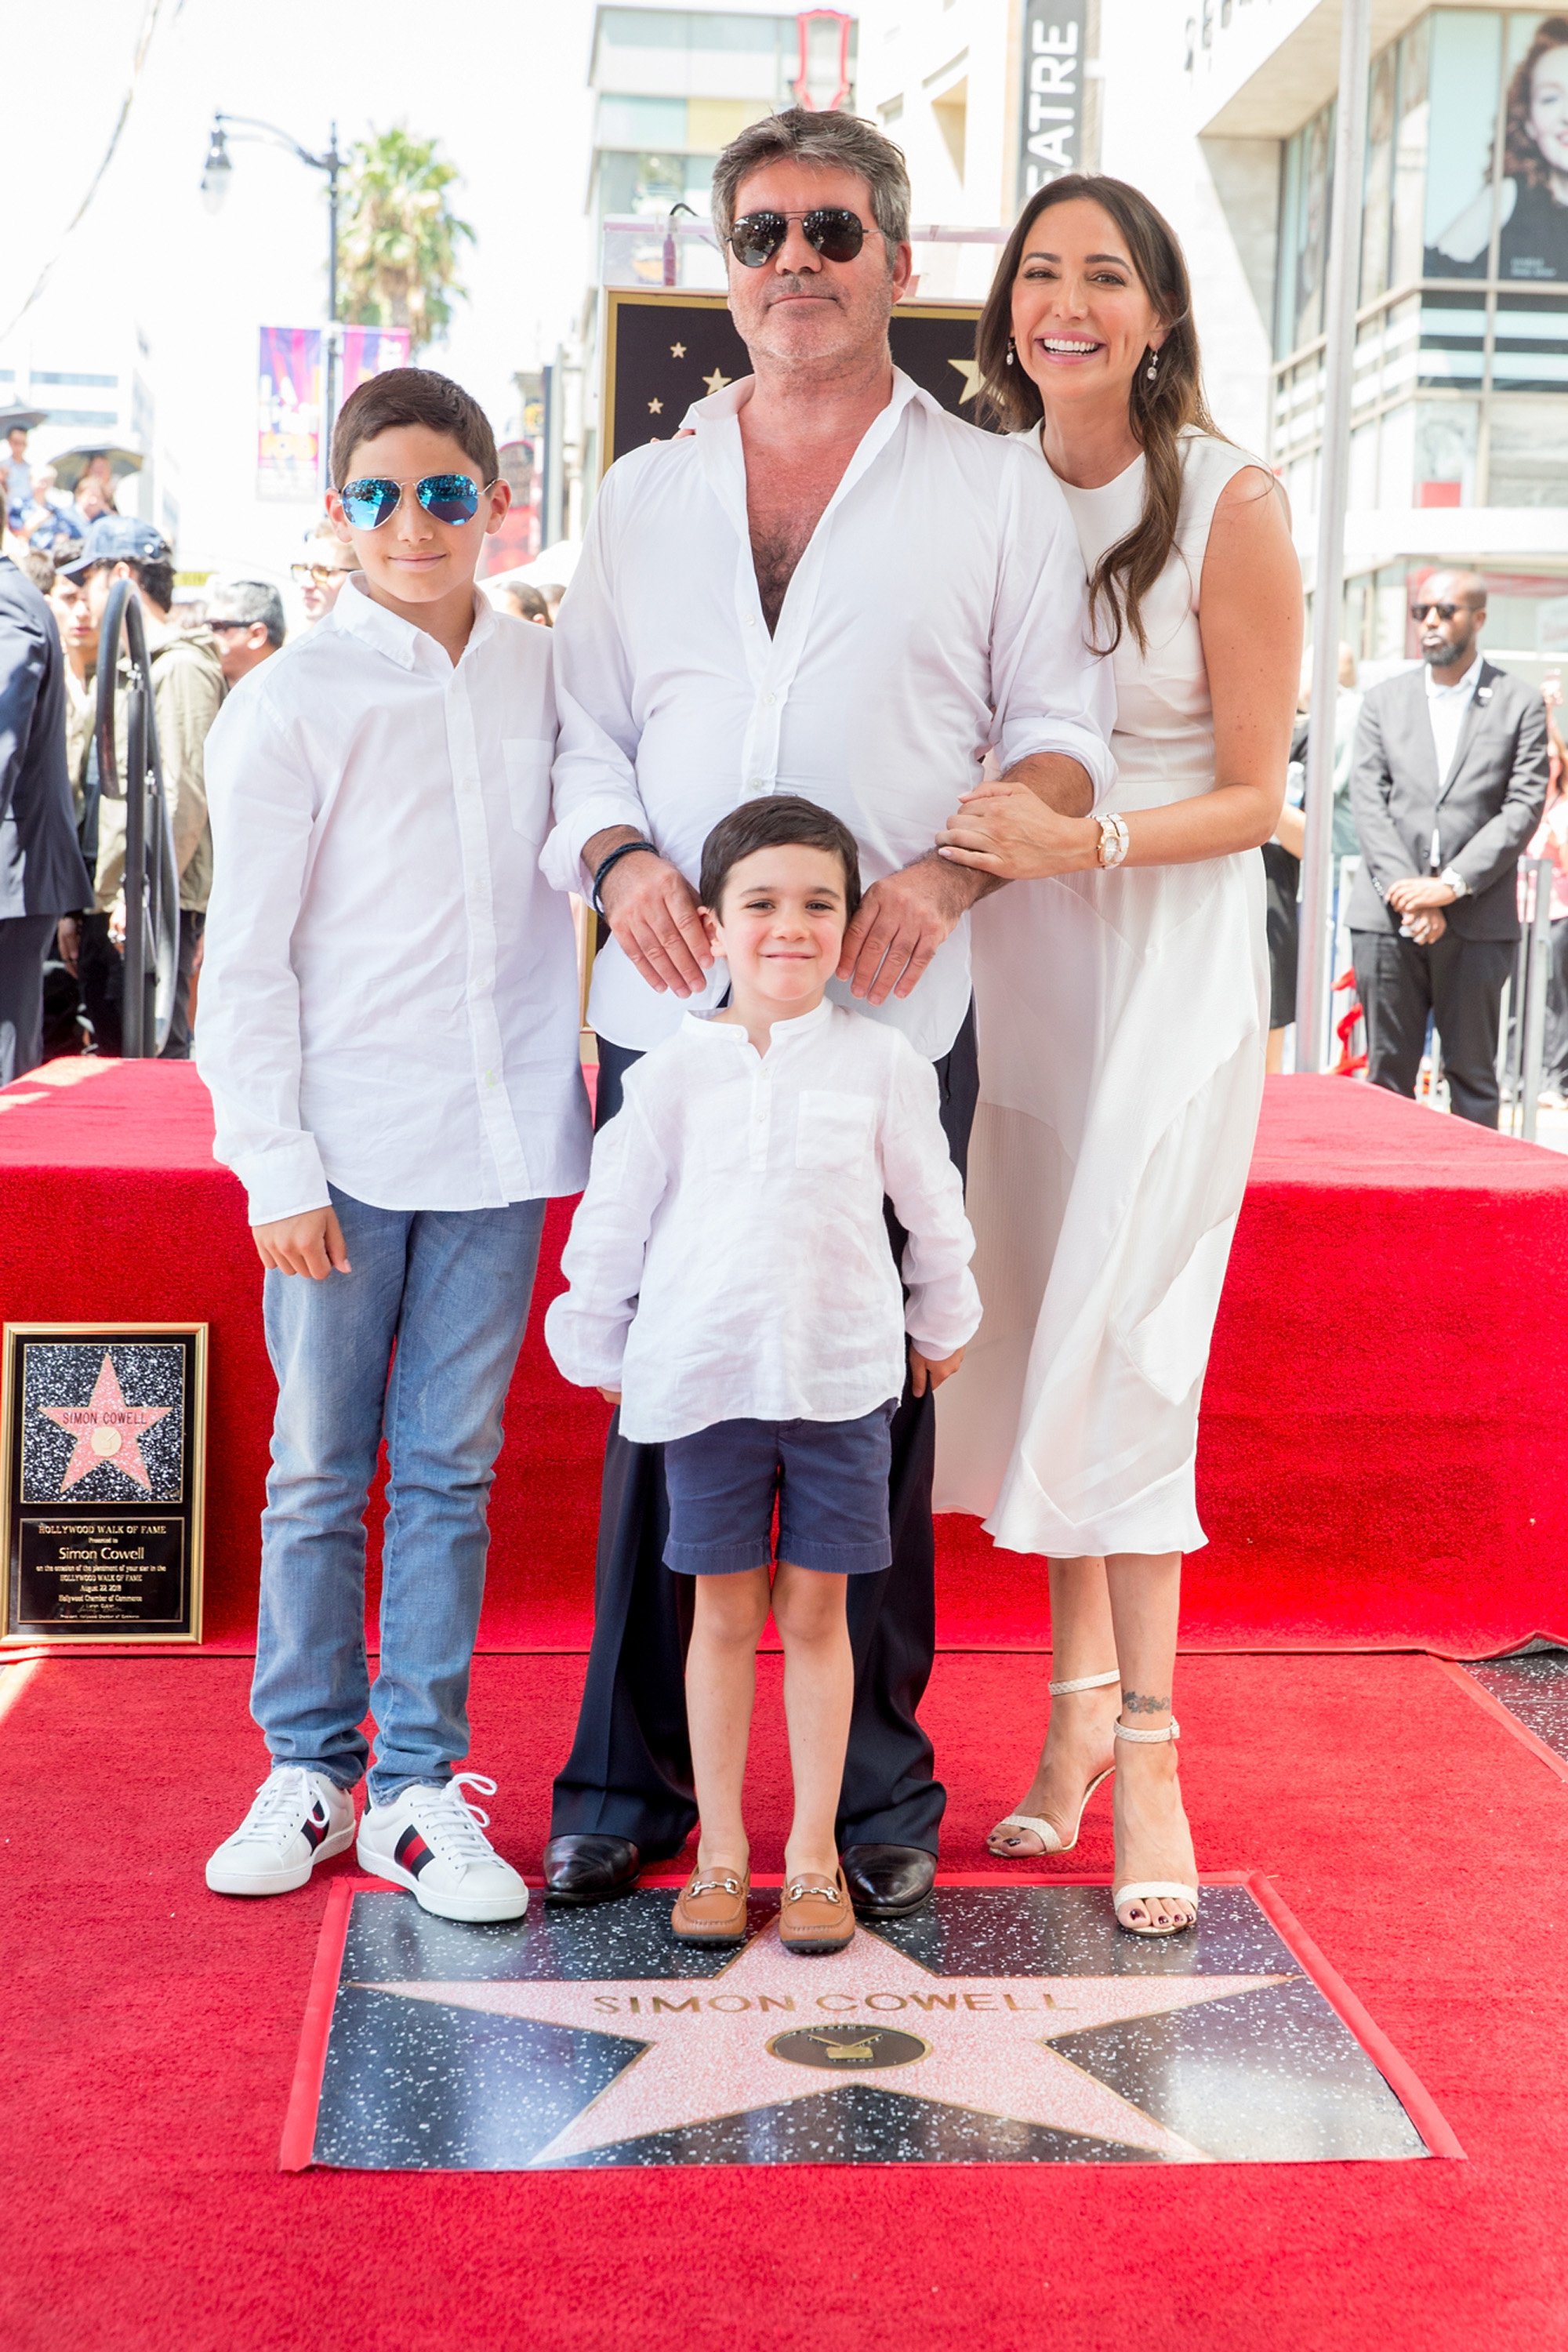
1446	708
939	609
389	994
729	1261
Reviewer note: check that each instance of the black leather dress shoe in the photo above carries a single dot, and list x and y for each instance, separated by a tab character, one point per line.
589	1869
885	1881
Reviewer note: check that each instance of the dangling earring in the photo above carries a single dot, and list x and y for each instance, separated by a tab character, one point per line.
1153	370
1008	361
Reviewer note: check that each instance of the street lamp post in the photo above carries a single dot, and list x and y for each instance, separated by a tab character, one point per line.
216	173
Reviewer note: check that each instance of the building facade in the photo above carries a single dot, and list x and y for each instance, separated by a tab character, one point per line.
98	395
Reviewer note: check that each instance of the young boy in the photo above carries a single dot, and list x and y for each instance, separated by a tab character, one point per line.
732	1288
389	1030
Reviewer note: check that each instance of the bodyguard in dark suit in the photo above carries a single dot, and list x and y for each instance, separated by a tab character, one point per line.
1447	783
42	876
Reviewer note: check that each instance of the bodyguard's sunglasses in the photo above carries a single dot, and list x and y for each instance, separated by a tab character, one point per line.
1445	612
449	498
837	235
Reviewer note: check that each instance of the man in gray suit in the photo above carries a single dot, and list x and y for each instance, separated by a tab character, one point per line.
1446	786
42	876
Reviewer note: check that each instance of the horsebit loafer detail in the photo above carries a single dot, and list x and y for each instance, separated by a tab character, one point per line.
813	1918
885	1881
589	1868
710	1908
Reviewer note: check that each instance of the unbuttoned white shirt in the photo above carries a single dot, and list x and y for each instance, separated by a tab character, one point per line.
729	1260
938	610
389	994
1445	709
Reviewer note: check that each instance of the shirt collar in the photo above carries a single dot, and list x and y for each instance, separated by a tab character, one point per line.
1464	686
784	1033
388	633
704	416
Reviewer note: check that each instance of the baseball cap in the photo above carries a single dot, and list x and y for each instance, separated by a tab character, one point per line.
118	539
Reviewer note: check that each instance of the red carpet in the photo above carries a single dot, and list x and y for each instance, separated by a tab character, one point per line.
1380	1461
153	2031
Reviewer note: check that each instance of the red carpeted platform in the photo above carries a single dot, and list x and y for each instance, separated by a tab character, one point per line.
151	2034
1381	1457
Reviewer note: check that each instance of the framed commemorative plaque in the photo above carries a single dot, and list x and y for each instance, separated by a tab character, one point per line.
102	1463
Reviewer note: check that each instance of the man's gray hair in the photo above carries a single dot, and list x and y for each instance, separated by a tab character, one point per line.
249	600
800	135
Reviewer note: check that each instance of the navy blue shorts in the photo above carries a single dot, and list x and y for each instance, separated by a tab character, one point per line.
829	1478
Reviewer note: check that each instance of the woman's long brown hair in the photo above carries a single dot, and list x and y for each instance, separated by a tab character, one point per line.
1522	158
1157	412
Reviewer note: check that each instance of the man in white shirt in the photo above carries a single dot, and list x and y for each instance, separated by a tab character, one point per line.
830	587
389	1031
1447	782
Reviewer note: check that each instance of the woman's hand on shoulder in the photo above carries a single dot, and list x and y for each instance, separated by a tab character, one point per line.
1005	829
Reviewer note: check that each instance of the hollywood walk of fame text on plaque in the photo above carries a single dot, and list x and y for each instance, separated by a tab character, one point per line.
102	1460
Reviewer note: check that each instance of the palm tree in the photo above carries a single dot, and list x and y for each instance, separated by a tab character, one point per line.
397	248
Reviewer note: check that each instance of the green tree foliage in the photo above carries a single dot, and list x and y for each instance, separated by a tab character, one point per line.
399	239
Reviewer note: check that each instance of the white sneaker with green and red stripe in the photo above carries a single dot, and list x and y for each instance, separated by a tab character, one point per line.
299	1818
432	1841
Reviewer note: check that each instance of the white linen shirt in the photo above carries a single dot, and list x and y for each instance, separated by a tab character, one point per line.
729	1260
389	990
938	610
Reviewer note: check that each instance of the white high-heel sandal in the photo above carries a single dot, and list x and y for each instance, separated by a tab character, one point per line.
1141	1890
1051	1840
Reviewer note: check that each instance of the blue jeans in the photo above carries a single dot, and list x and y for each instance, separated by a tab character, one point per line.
440	1296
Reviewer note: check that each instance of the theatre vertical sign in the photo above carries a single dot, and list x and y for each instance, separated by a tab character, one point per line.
1051	127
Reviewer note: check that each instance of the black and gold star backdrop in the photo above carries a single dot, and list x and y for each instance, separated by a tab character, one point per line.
664	350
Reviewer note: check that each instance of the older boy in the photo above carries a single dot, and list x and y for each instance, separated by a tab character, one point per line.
389	1029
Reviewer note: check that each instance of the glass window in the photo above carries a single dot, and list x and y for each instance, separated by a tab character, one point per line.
1453	339
1531	346
642	123
1528	460
1464	77
1410	156
1379	192
1312	243
1290	237
1445	432
1532	241
1396	457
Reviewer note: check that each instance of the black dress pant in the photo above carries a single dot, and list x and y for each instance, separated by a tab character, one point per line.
25	941
629	1772
1459	983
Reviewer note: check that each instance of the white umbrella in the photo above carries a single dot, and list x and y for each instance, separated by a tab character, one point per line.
553	566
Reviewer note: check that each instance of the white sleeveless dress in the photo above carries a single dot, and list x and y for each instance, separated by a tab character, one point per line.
1123	1018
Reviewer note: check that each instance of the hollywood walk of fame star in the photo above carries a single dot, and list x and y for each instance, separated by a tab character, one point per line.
105	1428
716	382
970	371
656	408
706	2039
677	351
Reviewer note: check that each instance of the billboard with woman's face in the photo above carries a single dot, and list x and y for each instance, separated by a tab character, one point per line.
1498	185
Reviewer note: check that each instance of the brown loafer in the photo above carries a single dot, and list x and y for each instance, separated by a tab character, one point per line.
710	1908
815	1918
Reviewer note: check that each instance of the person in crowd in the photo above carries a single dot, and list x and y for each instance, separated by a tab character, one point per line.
528	603
1123	1003
79	641
1551	842
1283	853
757	609
41	869
245	616
1447	786
762	1139
321	574
92	499
38	567
378	799
189	687
553	592
18	473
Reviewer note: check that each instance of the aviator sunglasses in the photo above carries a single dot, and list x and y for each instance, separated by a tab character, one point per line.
831	231
375	499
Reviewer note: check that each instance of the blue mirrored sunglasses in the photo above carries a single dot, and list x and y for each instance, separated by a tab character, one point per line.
449	498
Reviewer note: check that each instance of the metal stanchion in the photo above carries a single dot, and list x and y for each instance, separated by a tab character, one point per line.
151	876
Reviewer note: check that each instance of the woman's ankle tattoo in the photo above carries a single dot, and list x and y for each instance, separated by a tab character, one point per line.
1139	1703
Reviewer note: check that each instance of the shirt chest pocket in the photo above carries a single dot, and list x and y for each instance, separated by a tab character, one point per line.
527	760
834	1131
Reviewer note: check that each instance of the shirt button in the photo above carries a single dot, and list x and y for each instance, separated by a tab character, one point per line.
769	700
756	785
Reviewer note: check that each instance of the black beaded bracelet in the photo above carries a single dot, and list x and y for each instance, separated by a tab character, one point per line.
624	850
